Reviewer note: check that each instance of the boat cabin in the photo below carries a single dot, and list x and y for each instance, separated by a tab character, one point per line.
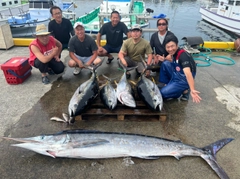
122	6
229	8
40	9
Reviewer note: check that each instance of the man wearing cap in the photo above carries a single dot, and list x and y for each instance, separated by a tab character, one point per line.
44	53
132	48
178	74
82	49
114	31
61	28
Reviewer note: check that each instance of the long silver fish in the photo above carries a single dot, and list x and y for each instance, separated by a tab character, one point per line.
82	97
149	92
108	95
85	144
125	91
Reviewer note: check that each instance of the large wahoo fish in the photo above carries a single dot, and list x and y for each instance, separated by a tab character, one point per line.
85	144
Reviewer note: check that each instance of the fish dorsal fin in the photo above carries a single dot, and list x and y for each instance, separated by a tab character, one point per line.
89	143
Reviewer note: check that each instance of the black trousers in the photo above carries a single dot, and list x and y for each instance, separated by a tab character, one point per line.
57	67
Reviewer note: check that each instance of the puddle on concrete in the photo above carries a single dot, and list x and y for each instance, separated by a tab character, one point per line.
229	95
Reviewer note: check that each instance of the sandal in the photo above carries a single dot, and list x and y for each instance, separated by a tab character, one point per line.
109	60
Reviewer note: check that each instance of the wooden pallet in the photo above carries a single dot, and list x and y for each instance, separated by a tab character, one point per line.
141	110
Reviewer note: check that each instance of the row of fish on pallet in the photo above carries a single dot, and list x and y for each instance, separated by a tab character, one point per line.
88	91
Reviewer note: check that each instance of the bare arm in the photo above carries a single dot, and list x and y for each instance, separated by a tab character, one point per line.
149	60
99	39
59	45
121	55
190	80
44	58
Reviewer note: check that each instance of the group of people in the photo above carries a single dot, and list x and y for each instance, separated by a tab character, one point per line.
177	71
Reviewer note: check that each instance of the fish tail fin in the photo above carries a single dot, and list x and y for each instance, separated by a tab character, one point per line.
143	62
107	78
125	69
210	156
94	67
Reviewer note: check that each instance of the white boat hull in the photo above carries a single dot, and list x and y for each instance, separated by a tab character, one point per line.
226	23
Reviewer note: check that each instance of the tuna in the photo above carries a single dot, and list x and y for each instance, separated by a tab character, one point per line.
149	92
125	91
82	98
85	144
108	95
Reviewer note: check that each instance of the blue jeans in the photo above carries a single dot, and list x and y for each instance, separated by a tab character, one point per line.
176	81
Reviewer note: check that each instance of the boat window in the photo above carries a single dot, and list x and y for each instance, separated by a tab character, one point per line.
47	5
15	2
30	5
37	5
230	2
10	2
226	8
4	4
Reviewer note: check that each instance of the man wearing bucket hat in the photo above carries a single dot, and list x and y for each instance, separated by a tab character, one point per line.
44	53
82	49
133	48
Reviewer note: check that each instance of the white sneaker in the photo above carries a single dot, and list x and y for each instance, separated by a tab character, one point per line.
77	71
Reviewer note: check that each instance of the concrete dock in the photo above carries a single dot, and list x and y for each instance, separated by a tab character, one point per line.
26	109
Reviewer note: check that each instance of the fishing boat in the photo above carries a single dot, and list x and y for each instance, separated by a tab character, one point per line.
128	9
24	24
225	16
11	7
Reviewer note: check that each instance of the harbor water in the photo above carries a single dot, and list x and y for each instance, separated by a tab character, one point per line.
184	18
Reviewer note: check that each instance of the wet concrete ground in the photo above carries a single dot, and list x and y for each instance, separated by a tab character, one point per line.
27	108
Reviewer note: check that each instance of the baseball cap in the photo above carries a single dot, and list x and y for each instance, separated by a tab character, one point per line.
77	24
41	29
136	27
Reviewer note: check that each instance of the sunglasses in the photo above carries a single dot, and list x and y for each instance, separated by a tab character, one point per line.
162	24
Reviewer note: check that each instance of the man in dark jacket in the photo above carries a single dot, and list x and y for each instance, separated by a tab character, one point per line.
158	42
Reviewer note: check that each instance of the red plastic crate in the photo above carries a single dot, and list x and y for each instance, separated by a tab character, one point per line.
16	70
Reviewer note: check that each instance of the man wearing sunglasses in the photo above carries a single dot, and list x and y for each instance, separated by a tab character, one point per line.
158	42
